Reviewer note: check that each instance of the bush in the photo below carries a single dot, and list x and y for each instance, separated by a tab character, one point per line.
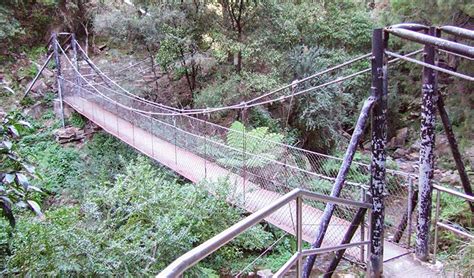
77	120
137	226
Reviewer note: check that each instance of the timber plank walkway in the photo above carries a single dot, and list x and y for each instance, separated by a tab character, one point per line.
193	167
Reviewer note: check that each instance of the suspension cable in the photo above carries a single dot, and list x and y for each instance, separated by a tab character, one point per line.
440	69
237	106
247	102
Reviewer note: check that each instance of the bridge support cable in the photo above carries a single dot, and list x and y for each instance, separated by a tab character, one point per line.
249	103
50	56
428	117
339	182
377	167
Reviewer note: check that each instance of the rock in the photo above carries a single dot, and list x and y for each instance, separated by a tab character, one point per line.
102	47
469	156
47	73
442	146
57	109
36	111
438	174
400	138
415	147
399	153
265	273
450	177
39	87
69	134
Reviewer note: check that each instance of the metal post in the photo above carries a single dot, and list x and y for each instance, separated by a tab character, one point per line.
133	133
205	148
58	76
339	182
435	248
117	118
175	147
410	210
379	138
362	226
448	129
428	116
244	150
38	75
299	235
152	132
346	239
74	58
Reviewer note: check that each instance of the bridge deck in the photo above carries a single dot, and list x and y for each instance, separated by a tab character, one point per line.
193	167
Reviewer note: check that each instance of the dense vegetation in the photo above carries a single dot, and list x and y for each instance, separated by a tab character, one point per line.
102	209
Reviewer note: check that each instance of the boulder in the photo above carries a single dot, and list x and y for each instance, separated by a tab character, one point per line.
36	110
442	146
399	139
57	109
469	156
39	87
69	134
265	273
400	153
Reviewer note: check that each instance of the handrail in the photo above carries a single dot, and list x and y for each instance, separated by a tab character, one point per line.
197	254
458	31
454	192
426	39
438	223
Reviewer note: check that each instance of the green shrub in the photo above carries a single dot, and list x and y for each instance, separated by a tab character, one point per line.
77	120
136	226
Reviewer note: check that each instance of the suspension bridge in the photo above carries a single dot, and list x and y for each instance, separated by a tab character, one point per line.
255	170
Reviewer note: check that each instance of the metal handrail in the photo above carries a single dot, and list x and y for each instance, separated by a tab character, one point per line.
437	223
199	253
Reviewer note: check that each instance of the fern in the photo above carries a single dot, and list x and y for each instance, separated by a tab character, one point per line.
252	148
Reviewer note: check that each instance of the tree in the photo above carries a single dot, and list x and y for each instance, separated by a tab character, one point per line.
236	15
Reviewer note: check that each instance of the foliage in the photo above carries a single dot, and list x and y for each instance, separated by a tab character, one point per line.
66	170
10	25
234	88
251	148
430	12
58	165
137	226
77	120
15	188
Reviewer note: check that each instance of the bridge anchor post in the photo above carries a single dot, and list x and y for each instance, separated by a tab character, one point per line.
379	138
58	75
428	117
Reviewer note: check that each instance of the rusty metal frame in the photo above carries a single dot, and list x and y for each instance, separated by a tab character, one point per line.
432	101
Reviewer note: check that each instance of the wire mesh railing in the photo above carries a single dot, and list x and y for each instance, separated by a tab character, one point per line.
256	160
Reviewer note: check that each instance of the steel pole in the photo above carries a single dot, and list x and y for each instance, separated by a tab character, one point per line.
459	32
428	117
455	47
58	76
435	225
379	138
299	235
410	210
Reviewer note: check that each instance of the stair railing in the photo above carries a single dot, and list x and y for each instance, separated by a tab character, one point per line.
192	257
